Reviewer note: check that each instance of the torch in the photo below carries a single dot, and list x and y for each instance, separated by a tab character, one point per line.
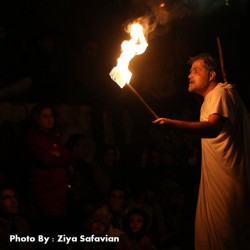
130	48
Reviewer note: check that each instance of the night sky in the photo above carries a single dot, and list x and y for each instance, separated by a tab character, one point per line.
68	47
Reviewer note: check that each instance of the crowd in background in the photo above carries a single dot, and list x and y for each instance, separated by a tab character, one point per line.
135	192
54	179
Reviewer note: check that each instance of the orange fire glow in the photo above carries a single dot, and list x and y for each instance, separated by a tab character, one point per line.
130	48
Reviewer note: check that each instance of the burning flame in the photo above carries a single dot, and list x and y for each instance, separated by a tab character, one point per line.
130	48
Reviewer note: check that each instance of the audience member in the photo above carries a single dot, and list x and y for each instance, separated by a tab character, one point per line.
108	168
83	194
178	219
99	226
147	200
116	208
136	235
12	222
48	161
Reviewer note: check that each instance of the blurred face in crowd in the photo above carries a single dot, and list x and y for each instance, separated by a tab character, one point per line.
117	200
136	223
46	119
109	157
98	227
82	149
8	202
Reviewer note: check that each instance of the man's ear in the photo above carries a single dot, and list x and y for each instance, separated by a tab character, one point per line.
212	75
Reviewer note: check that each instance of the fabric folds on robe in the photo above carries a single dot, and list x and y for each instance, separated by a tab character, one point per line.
223	203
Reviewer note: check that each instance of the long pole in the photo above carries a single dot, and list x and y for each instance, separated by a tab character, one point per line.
221	60
143	101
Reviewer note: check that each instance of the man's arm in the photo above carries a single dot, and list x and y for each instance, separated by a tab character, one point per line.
204	129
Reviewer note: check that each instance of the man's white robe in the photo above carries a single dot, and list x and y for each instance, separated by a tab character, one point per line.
222	208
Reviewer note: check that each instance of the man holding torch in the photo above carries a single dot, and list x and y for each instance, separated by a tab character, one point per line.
222	214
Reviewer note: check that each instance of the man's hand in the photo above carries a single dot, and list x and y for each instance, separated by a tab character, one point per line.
162	121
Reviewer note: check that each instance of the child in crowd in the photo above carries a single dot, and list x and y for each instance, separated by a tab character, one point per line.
136	235
98	226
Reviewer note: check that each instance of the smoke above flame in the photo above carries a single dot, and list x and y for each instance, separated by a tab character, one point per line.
161	14
152	14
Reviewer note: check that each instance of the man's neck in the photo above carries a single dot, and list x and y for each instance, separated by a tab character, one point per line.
210	87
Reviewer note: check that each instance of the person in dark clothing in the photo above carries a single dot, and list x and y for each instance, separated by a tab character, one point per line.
83	194
12	222
48	161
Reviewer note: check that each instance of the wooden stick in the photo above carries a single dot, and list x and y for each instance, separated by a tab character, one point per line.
142	100
221	60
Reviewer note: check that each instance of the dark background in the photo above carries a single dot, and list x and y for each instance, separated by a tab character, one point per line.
67	48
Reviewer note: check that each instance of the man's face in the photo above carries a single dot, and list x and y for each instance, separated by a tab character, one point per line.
198	78
8	202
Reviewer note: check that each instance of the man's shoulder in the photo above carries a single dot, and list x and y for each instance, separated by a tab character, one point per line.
222	89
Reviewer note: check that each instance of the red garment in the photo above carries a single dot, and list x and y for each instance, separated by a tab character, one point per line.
48	174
